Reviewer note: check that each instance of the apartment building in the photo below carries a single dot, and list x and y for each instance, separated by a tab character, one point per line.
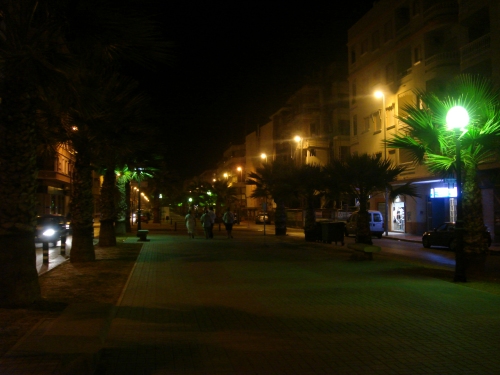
400	46
54	180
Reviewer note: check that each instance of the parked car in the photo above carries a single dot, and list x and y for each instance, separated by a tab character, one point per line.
377	227
50	228
261	218
445	235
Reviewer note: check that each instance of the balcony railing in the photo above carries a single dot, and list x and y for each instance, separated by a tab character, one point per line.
475	51
443	58
441	8
468	7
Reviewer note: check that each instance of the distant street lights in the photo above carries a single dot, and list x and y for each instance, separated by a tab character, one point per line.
380	94
456	120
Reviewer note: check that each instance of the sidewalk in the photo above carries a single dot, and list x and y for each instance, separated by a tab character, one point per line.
269	305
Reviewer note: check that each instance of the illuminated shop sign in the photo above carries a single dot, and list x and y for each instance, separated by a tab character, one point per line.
444	192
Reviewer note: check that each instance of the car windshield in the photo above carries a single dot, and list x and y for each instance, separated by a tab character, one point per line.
49	221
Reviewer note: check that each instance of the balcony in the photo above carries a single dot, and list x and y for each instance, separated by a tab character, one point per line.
52	175
441	9
442	59
475	52
469	7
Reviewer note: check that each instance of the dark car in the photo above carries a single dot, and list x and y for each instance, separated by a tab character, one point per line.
50	228
261	218
445	235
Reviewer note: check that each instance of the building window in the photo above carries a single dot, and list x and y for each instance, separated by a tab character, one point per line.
364	47
375	40
415	8
344	127
344	152
355	125
367	121
417	55
377	120
389	73
388	31
353	92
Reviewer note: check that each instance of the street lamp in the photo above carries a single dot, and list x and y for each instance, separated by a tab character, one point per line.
457	119
263	156
299	139
380	94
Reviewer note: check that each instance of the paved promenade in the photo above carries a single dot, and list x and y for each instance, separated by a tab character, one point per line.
260	304
269	306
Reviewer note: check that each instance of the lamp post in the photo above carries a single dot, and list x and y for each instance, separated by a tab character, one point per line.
380	94
457	119
139	207
298	139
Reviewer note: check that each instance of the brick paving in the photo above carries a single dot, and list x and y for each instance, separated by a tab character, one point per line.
266	305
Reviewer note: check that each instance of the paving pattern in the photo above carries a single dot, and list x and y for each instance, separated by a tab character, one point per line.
262	305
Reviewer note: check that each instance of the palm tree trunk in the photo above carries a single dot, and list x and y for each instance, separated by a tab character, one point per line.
128	214
280	218
82	209
474	240
18	275
107	236
363	234
121	208
310	221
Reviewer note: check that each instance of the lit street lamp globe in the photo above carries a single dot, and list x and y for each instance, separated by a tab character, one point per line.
457	118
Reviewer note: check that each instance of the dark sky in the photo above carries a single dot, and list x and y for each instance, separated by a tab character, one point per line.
236	63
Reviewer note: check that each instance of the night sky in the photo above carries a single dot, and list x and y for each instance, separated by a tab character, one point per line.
236	63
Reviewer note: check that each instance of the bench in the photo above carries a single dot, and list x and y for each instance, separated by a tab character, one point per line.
366	249
142	234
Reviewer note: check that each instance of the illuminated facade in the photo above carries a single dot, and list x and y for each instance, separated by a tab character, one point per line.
400	46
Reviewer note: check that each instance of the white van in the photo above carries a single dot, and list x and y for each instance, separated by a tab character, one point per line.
377	227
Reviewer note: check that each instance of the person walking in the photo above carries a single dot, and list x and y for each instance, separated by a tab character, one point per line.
212	217
206	223
190	223
228	220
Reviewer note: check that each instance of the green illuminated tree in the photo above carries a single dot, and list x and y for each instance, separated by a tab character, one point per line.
427	139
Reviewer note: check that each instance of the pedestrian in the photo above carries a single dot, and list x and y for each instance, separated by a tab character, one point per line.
206	223
228	220
190	223
212	217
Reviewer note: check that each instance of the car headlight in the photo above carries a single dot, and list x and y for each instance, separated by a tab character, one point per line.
49	232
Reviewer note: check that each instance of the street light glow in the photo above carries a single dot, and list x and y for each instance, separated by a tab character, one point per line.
457	118
297	139
263	156
378	94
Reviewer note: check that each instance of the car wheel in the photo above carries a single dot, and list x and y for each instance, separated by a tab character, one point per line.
453	245
426	242
379	235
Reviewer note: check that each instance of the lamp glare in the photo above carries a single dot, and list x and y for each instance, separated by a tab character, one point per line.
457	118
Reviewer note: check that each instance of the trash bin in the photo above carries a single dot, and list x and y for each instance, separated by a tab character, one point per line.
314	234
333	231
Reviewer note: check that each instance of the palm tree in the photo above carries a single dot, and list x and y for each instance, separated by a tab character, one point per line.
362	176
310	186
224	196
426	138
30	62
278	180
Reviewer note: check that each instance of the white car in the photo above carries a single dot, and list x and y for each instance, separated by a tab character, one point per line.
377	227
